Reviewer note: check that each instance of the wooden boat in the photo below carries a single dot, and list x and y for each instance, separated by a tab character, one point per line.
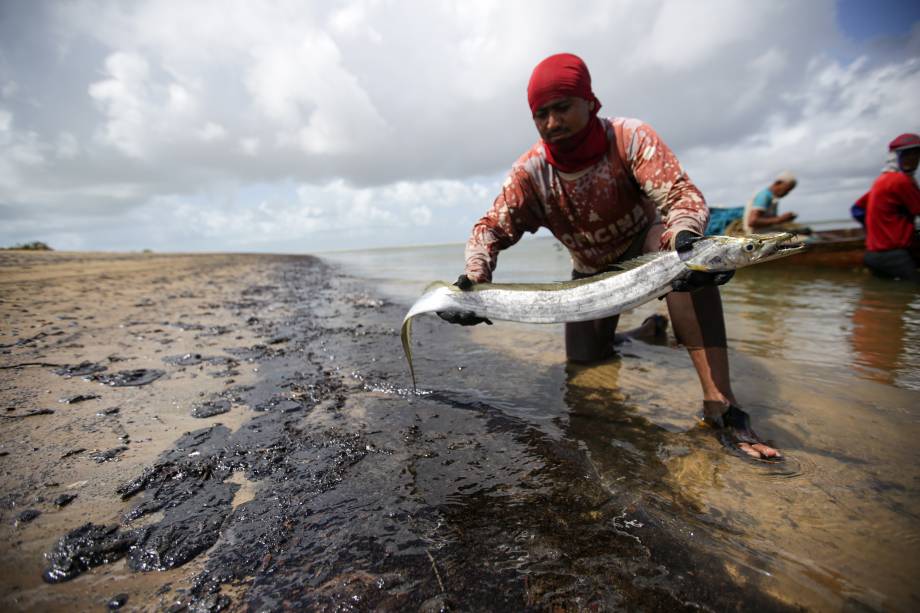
838	248
841	247
835	248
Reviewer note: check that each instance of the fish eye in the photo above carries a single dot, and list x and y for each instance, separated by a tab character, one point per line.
749	247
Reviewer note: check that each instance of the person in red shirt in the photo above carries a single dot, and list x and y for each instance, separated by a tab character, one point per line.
891	207
610	189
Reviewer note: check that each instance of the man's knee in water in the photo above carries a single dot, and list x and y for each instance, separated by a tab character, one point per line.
590	341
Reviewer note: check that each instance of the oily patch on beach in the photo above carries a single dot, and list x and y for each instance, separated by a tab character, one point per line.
75	317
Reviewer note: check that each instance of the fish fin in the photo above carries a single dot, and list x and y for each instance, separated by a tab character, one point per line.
636	262
437	284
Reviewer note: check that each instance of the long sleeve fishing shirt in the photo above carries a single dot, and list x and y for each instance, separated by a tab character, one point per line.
597	212
891	206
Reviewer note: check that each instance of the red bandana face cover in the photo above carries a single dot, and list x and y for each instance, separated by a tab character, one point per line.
561	76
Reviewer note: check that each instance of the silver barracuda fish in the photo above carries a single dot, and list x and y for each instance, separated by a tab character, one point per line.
633	283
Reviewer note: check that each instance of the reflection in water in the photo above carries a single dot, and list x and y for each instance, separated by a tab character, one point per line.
600	418
835	318
884	320
790	314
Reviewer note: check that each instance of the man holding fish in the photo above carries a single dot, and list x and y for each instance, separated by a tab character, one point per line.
610	190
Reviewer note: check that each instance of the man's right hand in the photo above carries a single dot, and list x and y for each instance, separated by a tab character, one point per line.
463	318
788	216
683	244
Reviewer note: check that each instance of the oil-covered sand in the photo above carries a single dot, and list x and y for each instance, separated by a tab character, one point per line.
234	432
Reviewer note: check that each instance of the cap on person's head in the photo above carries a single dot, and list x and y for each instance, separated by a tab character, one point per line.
904	141
786	177
559	76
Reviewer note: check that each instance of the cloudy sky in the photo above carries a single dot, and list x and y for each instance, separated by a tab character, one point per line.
296	126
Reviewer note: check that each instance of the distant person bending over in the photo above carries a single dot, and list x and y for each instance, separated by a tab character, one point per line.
891	207
761	214
610	189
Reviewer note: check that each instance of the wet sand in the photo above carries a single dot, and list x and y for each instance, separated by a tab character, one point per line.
121	313
320	481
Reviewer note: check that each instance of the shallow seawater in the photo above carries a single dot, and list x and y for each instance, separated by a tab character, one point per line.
826	361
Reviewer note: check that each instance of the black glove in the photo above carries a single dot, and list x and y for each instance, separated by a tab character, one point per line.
464	318
683	244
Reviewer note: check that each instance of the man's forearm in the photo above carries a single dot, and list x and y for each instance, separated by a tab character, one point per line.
479	255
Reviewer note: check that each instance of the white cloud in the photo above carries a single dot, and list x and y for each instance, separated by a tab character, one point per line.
833	135
212	132
421	215
405	116
124	99
67	146
306	85
26	149
250	146
352	20
674	40
9	89
144	115
180	101
304	217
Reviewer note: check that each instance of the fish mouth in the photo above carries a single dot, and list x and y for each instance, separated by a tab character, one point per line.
779	245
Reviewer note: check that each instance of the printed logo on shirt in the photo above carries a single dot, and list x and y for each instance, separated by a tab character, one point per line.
589	242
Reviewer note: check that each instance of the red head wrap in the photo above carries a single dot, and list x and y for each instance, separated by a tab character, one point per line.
561	76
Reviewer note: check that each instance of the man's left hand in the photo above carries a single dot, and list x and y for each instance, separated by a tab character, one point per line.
683	244
463	318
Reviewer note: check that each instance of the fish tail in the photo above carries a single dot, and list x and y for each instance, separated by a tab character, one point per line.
405	335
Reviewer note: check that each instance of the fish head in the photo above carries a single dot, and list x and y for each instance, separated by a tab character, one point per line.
724	253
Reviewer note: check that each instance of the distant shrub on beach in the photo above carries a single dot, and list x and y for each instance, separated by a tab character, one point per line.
33	246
